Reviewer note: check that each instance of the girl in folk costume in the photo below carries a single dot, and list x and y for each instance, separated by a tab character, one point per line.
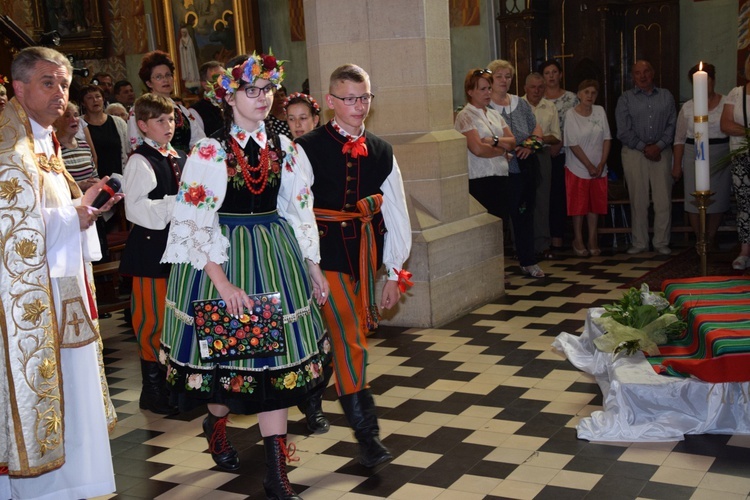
243	224
303	115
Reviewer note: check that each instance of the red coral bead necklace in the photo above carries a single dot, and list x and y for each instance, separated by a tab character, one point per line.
255	177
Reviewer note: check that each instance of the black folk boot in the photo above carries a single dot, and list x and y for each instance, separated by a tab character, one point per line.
276	482
359	409
317	422
222	451
154	394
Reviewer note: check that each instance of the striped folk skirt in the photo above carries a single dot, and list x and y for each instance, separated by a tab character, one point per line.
263	257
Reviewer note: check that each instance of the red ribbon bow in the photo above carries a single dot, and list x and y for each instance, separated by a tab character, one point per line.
403	279
356	147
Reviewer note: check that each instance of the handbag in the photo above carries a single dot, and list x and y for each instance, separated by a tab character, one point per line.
257	332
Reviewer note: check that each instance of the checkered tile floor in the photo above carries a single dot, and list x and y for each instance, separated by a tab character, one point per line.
481	408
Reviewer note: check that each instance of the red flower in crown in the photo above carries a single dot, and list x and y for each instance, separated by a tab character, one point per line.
237	72
269	62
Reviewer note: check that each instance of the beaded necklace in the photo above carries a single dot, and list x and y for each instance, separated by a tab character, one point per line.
255	177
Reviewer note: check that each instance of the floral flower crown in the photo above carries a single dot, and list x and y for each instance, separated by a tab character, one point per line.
305	97
257	66
3	79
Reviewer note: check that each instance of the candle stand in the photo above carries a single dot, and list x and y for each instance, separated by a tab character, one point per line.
702	201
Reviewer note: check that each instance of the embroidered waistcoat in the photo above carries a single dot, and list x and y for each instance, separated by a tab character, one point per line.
341	181
145	247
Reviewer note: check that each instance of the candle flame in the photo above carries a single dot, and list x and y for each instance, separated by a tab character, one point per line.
700	67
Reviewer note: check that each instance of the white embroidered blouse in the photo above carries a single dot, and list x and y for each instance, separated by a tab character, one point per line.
195	236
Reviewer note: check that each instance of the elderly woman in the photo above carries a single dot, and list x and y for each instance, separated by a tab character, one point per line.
76	153
564	100
588	140
734	123
489	140
157	74
117	109
523	164
108	133
683	160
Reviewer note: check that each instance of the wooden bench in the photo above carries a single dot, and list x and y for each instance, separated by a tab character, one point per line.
684	228
108	297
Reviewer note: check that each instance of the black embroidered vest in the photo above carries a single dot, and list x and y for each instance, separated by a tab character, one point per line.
145	247
341	181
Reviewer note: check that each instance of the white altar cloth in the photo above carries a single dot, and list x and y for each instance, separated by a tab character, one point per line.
640	405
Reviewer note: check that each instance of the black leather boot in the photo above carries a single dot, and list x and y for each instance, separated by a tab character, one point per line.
276	482
154	394
222	451
317	422
359	409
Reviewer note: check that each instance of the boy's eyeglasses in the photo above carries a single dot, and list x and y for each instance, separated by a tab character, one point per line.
253	92
351	101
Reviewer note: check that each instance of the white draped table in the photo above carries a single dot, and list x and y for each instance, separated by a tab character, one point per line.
640	405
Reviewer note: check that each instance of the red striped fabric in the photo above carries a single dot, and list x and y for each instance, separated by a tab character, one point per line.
344	313
716	344
147	308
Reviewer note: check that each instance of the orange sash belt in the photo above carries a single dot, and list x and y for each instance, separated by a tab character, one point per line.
368	251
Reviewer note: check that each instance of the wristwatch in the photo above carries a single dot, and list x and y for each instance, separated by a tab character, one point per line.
495	140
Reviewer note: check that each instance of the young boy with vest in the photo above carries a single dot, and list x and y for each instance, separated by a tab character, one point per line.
151	180
361	213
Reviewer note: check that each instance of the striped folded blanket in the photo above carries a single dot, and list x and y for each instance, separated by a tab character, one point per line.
716	344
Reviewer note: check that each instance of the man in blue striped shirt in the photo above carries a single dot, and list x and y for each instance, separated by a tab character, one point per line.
646	117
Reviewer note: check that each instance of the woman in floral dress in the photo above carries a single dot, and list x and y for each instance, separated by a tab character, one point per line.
243	224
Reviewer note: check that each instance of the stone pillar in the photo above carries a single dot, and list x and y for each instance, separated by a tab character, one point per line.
457	252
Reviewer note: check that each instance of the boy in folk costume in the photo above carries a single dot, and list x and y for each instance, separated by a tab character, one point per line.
151	180
361	213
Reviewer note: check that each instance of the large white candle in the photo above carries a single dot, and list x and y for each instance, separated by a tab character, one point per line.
700	129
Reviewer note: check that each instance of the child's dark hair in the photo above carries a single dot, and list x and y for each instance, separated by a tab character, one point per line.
151	106
300	98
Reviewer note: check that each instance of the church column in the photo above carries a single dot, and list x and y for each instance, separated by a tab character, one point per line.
457	253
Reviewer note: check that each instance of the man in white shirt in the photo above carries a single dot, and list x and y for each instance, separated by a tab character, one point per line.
546	116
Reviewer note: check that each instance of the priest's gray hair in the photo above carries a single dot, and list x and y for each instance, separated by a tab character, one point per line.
25	62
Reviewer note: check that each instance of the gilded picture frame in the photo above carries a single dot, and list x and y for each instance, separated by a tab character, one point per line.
206	30
78	23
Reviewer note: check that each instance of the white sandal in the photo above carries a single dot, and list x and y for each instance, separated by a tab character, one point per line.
534	271
741	262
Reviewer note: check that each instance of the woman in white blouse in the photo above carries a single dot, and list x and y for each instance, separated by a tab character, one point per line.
683	160
588	138
488	140
734	123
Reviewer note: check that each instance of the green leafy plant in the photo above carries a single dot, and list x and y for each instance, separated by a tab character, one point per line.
640	320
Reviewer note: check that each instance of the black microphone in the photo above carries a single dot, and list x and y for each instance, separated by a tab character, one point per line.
108	191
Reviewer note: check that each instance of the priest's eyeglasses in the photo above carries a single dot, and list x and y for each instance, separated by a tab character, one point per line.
352	100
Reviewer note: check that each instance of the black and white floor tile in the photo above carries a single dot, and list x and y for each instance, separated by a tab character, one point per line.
481	408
